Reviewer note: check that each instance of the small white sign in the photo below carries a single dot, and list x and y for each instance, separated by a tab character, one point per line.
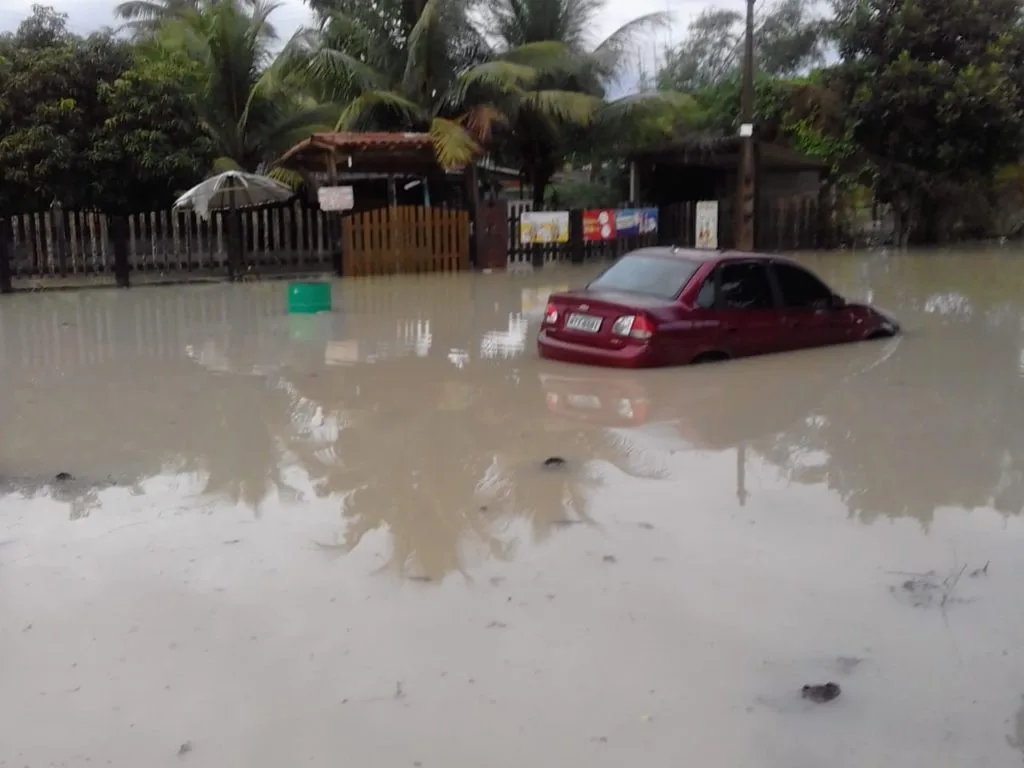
336	198
706	223
747	130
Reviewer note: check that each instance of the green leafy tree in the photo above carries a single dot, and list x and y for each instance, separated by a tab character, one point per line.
87	122
150	135
789	40
935	97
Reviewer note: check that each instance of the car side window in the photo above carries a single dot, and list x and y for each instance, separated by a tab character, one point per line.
800	289
706	294
746	286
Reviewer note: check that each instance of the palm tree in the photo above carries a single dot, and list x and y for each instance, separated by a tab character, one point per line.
144	18
539	143
251	110
441	77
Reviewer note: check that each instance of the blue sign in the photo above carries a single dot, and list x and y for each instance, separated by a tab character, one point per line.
632	222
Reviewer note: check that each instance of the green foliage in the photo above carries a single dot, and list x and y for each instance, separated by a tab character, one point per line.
584	194
934	94
803	113
150	136
84	125
251	111
115	123
789	39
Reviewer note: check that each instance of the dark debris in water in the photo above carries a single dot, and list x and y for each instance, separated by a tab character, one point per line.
821	693
554	462
63	477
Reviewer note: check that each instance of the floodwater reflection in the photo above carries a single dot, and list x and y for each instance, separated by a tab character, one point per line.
421	406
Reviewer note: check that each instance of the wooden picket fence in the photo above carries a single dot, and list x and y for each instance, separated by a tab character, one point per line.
67	244
402	239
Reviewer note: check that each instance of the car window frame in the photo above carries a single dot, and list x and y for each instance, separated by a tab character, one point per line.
781	297
772	285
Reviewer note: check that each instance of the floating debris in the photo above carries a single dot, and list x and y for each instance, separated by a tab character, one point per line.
184	749
554	462
821	693
63	477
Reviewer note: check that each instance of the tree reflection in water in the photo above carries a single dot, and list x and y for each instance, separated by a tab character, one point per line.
447	465
926	430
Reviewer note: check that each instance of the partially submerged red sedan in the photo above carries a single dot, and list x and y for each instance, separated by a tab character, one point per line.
671	306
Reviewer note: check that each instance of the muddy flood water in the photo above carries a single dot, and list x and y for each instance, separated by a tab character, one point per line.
230	537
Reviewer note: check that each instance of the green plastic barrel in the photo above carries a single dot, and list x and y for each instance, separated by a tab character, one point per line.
309	298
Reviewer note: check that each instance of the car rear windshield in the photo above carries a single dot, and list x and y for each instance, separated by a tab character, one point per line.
660	276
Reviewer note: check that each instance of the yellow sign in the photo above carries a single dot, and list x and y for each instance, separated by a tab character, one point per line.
543	227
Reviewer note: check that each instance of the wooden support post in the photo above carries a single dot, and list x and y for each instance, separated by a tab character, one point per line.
6	252
473	206
232	219
119	231
334	233
577	252
746	209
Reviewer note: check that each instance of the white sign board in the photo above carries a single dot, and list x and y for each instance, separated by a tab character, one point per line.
336	198
543	227
706	224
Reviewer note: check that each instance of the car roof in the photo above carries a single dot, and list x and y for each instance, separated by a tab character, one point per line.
704	255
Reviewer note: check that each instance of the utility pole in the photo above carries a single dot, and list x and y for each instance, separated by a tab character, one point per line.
746	186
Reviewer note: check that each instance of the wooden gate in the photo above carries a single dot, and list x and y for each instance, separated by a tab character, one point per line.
408	238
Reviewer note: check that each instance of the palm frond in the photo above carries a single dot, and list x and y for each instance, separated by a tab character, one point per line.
339	29
417	45
570	107
453	145
259	27
481	121
609	53
291	179
338	69
648	102
546	57
490	78
360	108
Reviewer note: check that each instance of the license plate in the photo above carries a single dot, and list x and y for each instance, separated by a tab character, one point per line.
586	323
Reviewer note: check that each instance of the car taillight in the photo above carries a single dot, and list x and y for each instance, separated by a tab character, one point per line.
551	315
634	326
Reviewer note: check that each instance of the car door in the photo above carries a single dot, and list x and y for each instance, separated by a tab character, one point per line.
746	308
810	315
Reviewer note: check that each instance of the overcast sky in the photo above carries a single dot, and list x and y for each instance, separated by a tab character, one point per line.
85	16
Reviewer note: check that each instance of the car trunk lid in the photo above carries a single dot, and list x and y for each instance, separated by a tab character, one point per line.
586	317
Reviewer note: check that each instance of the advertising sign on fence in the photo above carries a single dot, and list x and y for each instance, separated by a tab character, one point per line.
544	227
631	222
706	223
599	225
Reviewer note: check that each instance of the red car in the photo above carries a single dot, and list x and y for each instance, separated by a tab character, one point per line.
671	306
